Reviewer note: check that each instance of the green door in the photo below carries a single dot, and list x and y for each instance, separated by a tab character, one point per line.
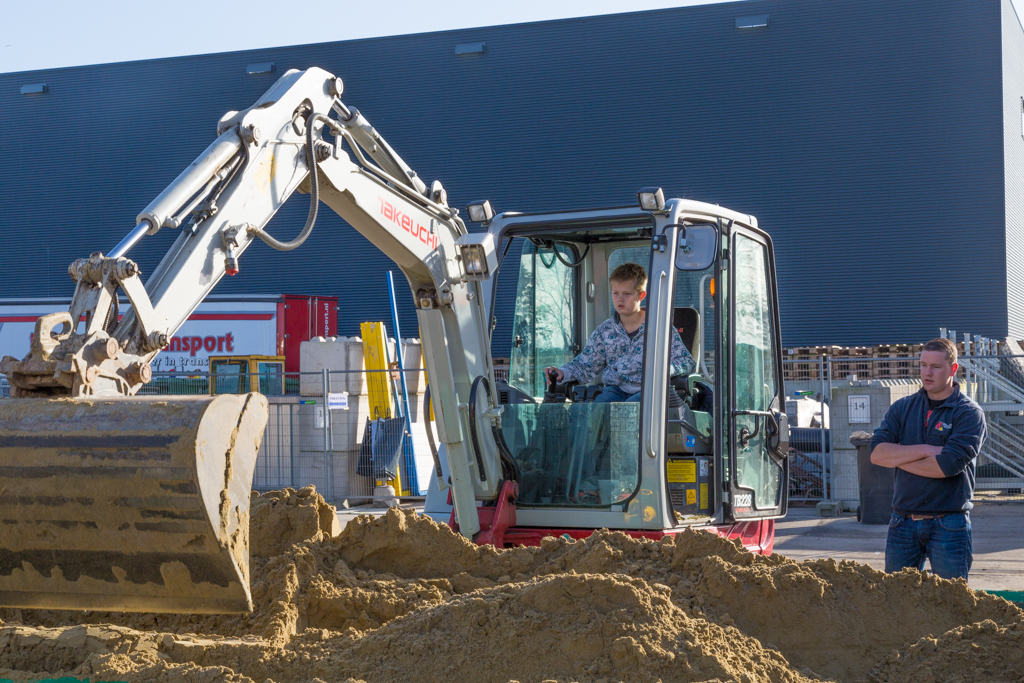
758	429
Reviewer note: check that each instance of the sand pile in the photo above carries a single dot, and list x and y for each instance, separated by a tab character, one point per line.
400	598
984	651
280	519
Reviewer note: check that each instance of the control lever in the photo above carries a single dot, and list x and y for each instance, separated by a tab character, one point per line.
555	392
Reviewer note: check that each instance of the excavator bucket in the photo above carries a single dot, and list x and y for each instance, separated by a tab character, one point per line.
128	504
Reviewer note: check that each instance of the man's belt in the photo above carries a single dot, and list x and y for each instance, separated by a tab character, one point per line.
918	518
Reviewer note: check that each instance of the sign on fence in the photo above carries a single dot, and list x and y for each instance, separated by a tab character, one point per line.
860	409
338	401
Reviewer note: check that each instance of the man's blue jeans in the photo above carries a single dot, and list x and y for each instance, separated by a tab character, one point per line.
946	541
615	395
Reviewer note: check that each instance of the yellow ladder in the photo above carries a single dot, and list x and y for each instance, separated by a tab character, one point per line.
378	387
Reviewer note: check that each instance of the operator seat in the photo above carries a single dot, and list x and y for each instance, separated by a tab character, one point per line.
686	320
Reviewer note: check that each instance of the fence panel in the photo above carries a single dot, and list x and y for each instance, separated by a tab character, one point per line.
809	447
859	401
307	442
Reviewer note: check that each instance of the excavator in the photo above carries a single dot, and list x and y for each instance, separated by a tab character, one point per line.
114	501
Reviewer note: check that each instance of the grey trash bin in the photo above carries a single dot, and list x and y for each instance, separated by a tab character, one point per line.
876	483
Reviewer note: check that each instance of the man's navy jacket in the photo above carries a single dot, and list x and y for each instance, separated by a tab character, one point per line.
958	425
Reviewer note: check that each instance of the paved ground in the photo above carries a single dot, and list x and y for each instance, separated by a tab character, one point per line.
998	535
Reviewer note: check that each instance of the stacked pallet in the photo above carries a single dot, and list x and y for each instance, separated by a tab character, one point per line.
853	361
896	361
805	366
881	361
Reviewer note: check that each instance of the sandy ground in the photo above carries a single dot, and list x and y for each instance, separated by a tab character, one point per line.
804	535
397	597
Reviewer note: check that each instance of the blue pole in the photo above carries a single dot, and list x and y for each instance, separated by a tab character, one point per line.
410	461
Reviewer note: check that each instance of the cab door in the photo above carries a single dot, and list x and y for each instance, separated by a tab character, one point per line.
758	432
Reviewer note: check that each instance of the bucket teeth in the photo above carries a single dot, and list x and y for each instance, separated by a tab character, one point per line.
128	504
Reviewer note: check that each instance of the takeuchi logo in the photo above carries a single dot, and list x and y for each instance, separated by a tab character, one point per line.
405	221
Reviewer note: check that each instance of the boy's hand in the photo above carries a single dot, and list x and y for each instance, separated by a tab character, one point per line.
554	372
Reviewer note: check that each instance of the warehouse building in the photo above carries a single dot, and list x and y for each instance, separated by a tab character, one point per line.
880	142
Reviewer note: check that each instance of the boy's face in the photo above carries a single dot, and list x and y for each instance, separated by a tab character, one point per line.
626	297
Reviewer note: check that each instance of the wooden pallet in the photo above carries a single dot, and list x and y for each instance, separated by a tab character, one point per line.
801	371
853	351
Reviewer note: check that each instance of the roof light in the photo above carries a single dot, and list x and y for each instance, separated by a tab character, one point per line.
755	21
479	259
480	212
470	48
260	68
33	88
651	199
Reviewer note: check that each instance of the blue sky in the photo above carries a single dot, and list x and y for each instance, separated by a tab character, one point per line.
43	34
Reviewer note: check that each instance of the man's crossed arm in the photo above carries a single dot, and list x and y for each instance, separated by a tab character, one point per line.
918	459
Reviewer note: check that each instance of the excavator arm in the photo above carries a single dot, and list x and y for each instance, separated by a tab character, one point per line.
299	136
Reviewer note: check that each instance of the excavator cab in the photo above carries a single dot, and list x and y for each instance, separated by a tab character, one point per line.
706	448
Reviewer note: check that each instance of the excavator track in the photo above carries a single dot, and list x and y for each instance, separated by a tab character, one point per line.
128	504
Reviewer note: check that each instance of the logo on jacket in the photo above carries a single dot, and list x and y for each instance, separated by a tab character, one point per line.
942	426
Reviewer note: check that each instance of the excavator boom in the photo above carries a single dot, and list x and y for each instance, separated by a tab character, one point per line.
117	502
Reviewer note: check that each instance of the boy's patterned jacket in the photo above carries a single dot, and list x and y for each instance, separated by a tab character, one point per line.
618	360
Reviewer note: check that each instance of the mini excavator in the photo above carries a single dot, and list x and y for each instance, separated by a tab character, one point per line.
113	501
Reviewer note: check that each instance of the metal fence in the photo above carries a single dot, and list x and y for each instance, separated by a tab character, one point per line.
320	430
319	422
858	390
810	460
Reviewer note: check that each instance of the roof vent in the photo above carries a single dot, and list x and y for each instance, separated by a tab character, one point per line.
470	48
33	88
755	21
260	68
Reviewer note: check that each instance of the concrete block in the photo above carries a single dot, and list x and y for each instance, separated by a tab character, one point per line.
829	508
343	356
335	354
384	496
412	359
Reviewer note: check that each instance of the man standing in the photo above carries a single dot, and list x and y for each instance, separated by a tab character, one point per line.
932	439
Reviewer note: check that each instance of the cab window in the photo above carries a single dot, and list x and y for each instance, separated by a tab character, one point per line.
271	378
229	378
570	453
544	327
756	375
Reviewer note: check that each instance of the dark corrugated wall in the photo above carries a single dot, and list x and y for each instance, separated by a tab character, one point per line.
1013	159
866	136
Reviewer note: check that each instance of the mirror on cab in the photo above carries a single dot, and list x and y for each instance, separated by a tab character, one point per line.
698	245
